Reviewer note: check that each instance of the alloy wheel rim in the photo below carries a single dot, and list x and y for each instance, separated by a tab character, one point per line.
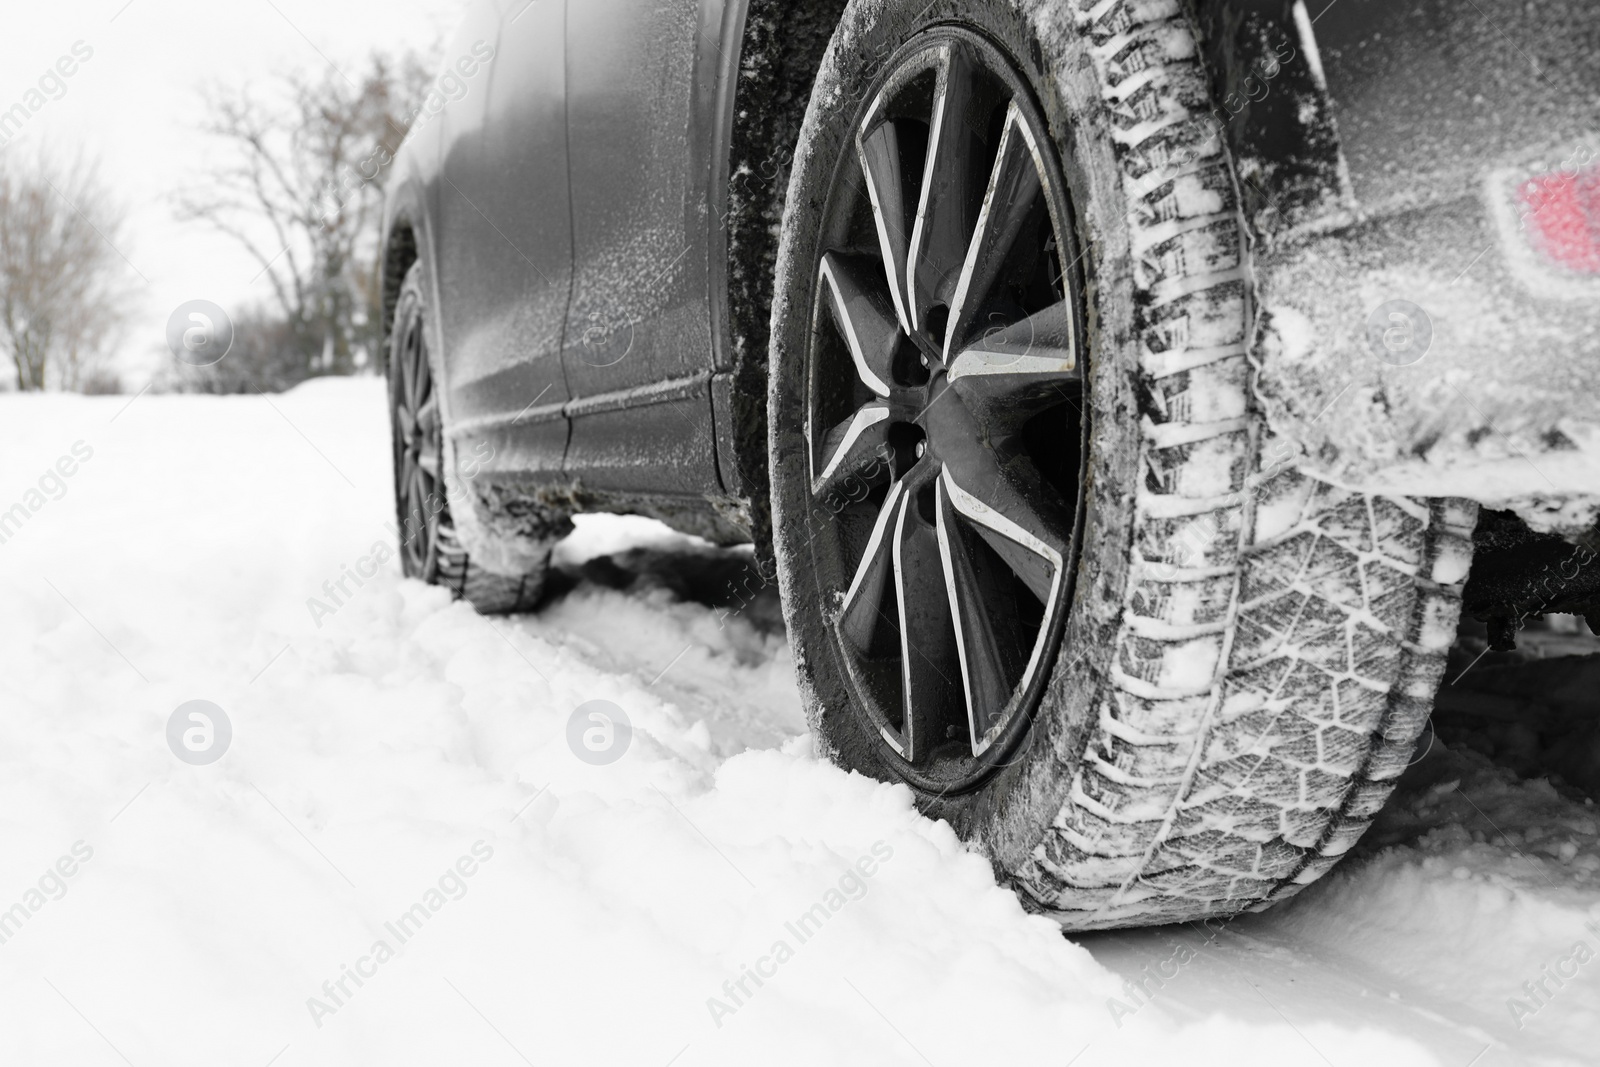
418	448
944	417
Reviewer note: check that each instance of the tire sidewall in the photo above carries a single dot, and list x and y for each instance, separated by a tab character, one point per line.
1042	42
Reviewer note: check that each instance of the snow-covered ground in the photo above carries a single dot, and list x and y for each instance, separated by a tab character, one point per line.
401	860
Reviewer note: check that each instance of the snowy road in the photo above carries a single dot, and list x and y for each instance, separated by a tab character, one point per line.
400	860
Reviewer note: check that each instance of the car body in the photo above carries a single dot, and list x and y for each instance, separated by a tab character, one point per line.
596	208
575	273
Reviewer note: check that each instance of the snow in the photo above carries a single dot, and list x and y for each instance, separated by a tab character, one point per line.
410	758
1472	883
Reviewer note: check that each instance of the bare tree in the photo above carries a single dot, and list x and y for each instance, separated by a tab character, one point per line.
299	186
63	285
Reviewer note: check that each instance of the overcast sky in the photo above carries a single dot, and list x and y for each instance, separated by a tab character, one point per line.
134	105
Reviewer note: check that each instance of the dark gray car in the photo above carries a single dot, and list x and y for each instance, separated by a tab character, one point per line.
1112	387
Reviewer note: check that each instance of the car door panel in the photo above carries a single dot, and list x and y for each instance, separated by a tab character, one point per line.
641	95
505	249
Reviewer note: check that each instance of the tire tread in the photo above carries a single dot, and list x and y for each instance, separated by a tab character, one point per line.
1269	676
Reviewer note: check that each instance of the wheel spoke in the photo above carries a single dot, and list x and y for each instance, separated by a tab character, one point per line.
421	489
1009	505
859	614
408	467
986	683
1013	196
940	236
407	423
430	547
854	452
868	322
1008	376
879	148
417	539
426	404
1032	558
1039	562
927	636
417	357
407	370
427	416
408	543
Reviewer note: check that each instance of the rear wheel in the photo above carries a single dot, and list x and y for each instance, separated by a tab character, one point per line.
1041	560
429	547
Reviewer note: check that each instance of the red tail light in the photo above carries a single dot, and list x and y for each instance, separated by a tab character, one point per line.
1561	212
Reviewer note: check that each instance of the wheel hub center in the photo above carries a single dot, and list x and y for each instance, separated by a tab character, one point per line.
914	413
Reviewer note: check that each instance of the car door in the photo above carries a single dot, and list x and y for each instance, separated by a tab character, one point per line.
505	241
641	93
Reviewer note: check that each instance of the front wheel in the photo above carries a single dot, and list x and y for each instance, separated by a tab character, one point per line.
1042	560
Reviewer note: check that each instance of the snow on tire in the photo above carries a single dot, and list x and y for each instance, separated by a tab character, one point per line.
1251	654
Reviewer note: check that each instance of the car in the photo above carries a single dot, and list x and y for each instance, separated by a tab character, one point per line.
1116	390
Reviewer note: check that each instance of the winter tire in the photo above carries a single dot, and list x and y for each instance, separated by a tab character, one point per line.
1041	559
429	546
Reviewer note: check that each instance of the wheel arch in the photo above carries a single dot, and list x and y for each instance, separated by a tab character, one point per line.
1270	105
781	46
399	252
404	241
